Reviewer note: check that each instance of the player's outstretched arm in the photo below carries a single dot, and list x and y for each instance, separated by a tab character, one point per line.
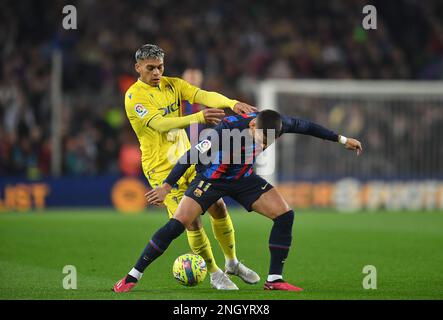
208	116
210	99
216	100
143	114
244	108
302	126
351	144
157	195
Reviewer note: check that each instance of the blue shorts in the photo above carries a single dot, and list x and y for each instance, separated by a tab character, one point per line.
244	190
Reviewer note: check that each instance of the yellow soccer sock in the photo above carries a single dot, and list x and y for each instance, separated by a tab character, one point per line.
224	232
199	243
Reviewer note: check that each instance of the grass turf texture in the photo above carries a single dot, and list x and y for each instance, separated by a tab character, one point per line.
327	258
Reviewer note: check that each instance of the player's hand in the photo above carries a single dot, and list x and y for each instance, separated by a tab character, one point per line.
213	116
353	144
157	195
241	107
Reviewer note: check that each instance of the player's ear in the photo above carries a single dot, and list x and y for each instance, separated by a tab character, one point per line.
137	67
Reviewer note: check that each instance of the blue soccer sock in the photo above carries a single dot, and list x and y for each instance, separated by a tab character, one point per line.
280	242
159	243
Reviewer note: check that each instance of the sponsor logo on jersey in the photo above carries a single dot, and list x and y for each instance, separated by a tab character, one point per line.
140	110
169	109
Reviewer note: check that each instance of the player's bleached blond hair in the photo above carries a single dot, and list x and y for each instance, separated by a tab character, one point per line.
149	51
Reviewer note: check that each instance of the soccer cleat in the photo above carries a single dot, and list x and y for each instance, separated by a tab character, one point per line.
243	272
123	286
221	281
281	285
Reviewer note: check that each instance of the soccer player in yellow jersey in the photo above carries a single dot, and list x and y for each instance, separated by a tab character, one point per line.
153	106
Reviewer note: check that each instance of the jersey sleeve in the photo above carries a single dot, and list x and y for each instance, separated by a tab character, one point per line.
207	98
189	158
187	90
214	99
139	109
179	169
301	126
162	124
192	156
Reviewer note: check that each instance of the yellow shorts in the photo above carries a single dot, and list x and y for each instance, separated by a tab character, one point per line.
174	197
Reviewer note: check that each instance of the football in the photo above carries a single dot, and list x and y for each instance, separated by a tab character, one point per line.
189	269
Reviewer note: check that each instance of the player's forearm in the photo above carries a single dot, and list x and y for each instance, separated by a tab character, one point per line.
163	124
321	132
301	126
167	187
179	169
213	99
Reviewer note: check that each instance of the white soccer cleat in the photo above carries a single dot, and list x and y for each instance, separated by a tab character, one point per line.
221	281
247	275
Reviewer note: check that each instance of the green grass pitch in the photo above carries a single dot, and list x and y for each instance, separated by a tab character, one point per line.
328	254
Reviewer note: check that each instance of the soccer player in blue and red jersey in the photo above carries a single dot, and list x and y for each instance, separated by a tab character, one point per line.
153	107
228	171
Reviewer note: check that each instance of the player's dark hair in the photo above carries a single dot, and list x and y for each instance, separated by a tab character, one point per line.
269	120
149	51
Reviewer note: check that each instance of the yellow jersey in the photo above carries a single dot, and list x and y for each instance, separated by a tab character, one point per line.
143	103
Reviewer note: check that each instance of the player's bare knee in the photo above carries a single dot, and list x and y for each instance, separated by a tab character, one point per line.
218	210
194	225
277	204
273	214
284	207
184	219
271	204
282	212
187	212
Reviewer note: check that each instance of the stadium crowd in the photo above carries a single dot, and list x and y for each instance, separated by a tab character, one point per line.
227	40
397	132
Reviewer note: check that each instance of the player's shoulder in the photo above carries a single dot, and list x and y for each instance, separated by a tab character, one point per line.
135	94
138	87
133	89
172	81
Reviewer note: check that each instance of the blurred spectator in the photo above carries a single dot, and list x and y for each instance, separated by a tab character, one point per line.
130	159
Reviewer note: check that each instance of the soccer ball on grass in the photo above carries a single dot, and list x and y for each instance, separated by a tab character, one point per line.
189	269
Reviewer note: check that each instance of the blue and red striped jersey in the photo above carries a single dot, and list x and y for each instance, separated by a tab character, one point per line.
233	156
228	151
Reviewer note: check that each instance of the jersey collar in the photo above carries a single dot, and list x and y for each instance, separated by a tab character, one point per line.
148	87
